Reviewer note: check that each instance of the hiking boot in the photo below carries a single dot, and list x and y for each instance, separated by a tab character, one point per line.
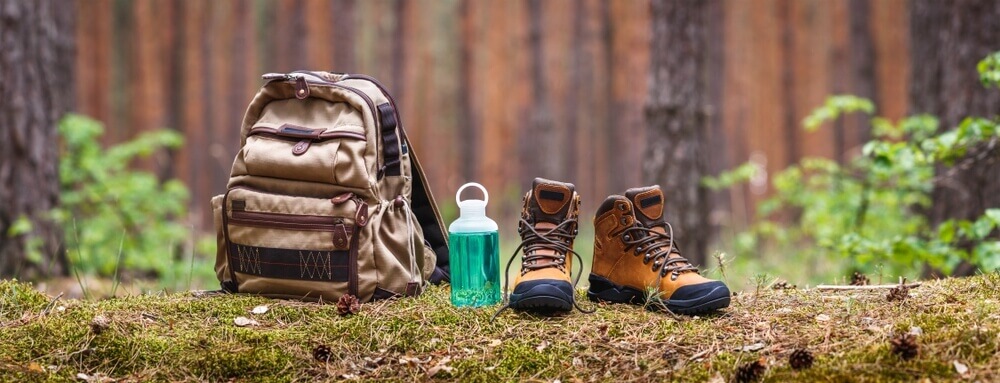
547	227
637	260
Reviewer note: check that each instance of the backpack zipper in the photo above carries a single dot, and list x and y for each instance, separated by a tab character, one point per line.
286	221
275	133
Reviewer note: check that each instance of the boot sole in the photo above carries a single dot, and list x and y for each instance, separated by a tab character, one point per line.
543	296
603	290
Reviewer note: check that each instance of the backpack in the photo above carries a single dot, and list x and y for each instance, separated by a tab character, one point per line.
326	196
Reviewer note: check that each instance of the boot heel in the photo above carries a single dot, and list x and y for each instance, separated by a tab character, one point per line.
603	290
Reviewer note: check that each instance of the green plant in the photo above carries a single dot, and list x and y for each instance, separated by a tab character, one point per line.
117	218
866	213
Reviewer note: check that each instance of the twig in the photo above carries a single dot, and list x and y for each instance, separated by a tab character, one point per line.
865	287
51	304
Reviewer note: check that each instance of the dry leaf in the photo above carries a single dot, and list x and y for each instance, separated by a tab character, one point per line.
244	321
412	361
961	368
541	347
916	331
495	343
822	318
259	309
35	367
752	347
441	365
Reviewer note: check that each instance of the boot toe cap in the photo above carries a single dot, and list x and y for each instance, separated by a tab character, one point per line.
702	297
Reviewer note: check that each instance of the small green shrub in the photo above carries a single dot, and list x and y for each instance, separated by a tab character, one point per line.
117	219
867	212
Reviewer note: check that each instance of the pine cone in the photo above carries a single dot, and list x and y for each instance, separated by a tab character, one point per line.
99	324
348	304
859	279
783	285
750	372
670	355
905	346
898	293
321	353
800	359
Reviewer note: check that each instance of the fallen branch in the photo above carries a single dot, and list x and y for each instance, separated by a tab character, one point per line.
865	287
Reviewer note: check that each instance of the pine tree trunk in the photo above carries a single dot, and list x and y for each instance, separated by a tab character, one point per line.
36	84
949	38
677	119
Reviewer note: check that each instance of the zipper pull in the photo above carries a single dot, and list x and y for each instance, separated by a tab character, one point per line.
301	87
341	240
361	218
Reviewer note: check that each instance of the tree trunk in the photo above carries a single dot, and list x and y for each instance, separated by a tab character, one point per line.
540	150
678	119
36	57
949	38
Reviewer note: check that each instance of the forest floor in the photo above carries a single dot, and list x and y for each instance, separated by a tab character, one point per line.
195	336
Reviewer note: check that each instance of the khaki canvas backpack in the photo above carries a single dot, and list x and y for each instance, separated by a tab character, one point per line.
326	196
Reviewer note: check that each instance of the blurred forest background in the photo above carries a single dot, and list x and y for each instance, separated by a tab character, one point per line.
500	92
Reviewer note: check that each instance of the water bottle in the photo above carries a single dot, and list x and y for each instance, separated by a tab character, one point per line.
474	253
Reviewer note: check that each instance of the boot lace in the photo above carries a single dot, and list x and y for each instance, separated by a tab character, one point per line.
656	248
557	239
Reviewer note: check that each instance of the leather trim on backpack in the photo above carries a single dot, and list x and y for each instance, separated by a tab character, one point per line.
234	285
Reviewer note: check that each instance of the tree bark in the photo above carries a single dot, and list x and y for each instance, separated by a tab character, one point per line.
949	38
36	65
677	119
540	150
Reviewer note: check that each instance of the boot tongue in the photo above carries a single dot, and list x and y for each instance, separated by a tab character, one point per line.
648	205
550	201
548	205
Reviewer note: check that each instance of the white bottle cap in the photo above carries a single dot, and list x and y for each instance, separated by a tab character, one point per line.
472	207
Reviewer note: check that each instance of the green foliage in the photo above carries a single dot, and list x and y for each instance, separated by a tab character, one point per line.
989	70
742	173
117	218
834	107
867	212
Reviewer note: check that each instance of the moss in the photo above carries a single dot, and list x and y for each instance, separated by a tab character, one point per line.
17	299
188	337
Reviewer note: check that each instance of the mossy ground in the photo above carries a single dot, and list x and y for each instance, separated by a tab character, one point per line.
192	336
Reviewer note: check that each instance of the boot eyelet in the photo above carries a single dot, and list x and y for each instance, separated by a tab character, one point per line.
627	237
622	207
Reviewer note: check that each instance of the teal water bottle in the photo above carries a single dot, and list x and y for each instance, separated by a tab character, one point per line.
474	253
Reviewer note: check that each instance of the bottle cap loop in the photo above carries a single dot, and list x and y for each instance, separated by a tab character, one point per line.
458	194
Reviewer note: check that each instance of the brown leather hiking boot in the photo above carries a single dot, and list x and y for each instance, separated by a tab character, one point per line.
636	259
548	227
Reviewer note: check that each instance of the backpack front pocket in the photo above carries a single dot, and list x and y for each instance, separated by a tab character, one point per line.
304	154
293	246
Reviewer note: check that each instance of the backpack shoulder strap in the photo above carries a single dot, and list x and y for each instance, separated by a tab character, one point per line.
429	218
394	145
